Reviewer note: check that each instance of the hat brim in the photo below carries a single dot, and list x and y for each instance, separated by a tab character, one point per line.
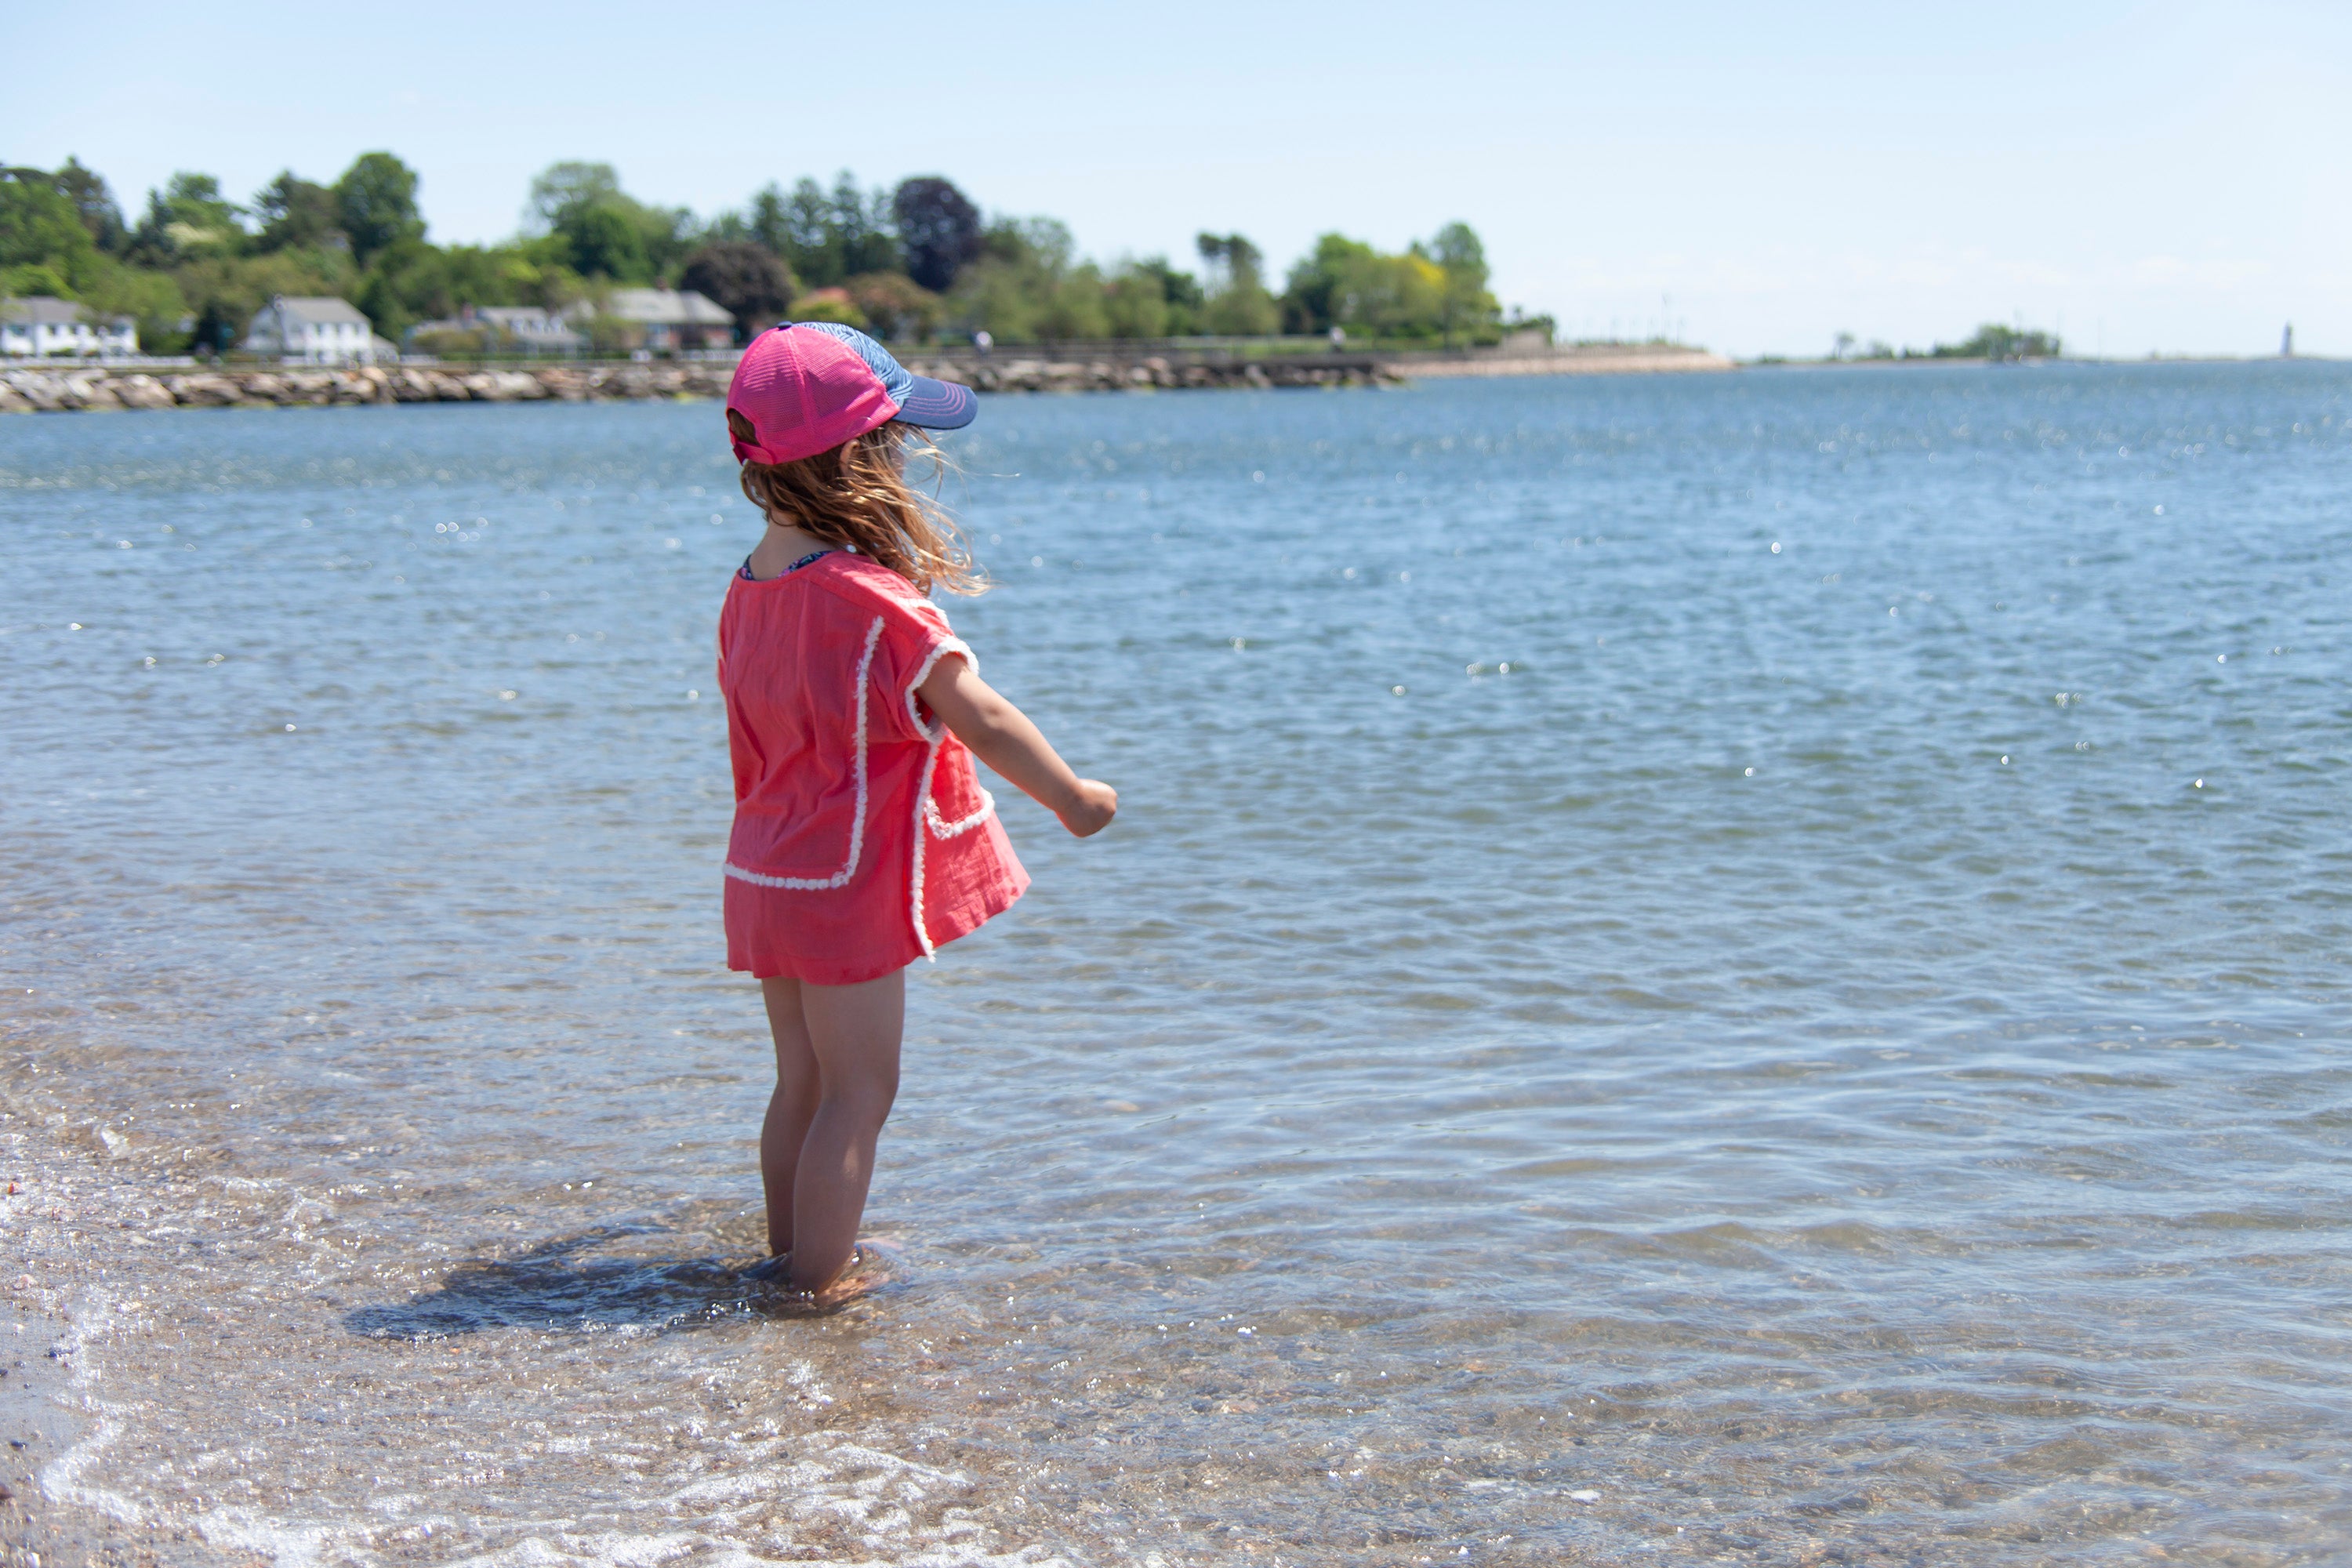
937	405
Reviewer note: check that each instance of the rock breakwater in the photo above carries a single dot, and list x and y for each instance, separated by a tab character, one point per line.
96	387
32	389
99	387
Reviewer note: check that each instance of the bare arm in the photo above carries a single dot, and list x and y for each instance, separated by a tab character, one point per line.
1002	736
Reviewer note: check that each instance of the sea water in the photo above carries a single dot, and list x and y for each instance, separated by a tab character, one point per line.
1741	968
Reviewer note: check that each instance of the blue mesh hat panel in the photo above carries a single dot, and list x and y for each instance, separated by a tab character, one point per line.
933	405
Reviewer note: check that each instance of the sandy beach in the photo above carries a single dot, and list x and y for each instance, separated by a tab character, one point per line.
70	1224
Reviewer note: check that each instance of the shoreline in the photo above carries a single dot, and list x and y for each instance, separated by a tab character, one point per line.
2032	360
56	1205
101	388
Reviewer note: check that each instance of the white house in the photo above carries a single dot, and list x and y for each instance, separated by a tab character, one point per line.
532	328
45	325
311	331
509	329
670	318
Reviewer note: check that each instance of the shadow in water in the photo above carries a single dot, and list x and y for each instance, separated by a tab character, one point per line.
554	1287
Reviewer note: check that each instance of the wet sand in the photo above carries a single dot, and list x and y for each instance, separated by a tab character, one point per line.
68	1223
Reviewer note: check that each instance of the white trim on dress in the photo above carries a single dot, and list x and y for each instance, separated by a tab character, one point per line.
927	821
856	824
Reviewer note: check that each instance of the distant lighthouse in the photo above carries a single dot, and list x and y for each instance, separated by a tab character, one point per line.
2287	341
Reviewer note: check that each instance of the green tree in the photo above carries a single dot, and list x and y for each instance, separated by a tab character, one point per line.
746	279
1006	288
585	205
561	188
811	245
995	296
1992	340
412	281
1074	308
1237	304
862	222
224	292
1399	297
152	299
1150	298
39	228
1027	285
375	203
668	235
828	237
96	202
1347	283
50	228
830	303
1044	243
603	242
47	246
35	280
1465	307
1313	297
487	275
769	224
538	271
897	308
938	228
1135	303
189	216
409	281
1181	292
295	212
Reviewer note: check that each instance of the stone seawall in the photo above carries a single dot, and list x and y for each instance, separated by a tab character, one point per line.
95	388
28	389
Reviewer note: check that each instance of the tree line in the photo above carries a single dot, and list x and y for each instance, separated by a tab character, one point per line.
913	263
1991	342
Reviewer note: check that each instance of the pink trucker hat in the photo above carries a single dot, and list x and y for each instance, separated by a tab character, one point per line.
808	386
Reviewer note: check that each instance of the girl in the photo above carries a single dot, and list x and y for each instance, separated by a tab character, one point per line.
862	837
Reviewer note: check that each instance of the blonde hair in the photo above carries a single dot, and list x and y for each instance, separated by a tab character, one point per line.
857	496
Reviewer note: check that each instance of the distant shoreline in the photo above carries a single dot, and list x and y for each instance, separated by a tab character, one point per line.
96	387
100	387
1772	363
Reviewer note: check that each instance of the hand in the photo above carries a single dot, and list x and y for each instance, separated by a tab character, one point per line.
1002	736
1092	805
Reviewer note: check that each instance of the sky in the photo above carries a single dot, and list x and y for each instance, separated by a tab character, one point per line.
2139	177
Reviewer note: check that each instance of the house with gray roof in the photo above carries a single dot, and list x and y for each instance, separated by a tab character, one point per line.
669	319
504	330
500	330
44	325
307	330
533	328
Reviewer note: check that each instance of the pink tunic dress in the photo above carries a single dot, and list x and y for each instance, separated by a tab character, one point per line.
862	838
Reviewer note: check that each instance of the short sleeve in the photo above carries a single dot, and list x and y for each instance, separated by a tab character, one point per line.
915	636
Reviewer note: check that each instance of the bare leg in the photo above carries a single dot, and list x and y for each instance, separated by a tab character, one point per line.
788	1108
854	1032
836	1075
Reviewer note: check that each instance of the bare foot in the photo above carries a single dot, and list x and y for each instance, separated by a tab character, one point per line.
867	1272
